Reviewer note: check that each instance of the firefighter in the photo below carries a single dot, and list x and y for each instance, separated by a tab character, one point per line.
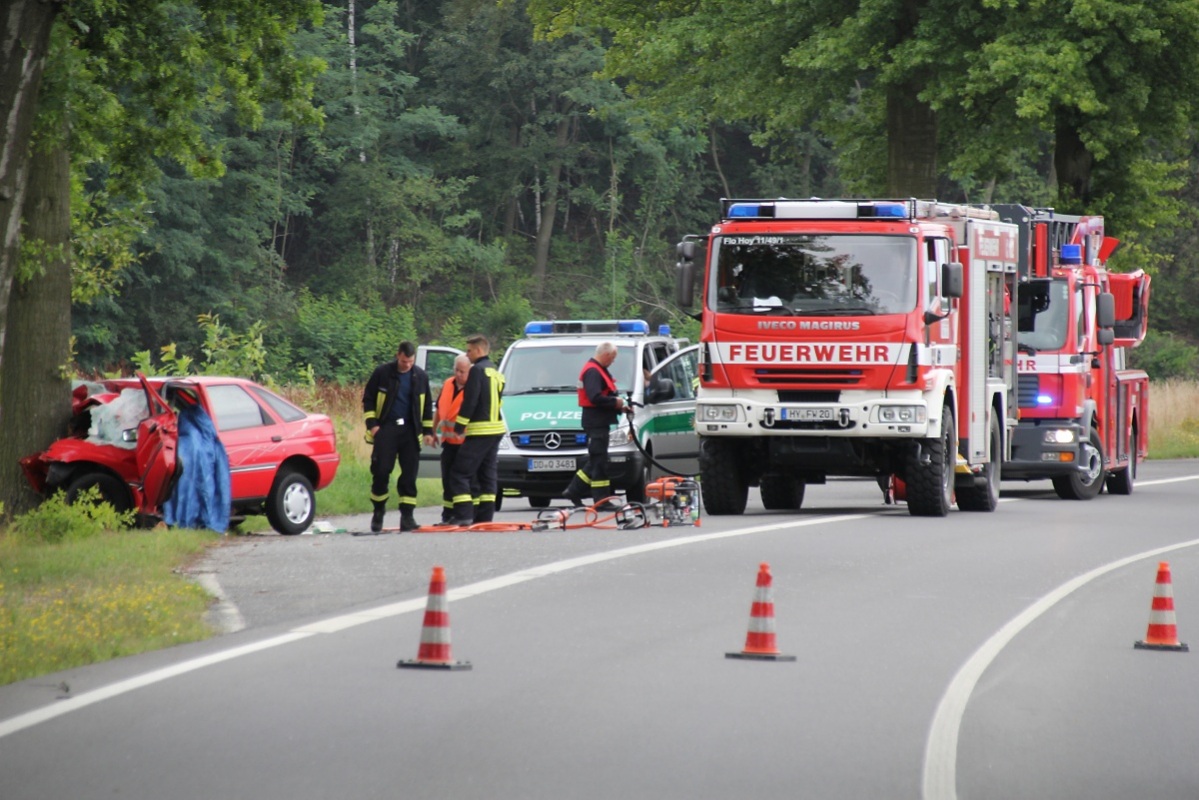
398	411
449	403
601	407
480	423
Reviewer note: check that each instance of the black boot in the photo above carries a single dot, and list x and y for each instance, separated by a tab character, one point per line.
576	492
377	518
407	520
485	512
602	500
464	514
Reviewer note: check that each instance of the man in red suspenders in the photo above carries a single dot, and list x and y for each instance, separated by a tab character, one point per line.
601	409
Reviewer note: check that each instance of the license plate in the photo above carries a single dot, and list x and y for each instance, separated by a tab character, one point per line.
808	414
551	464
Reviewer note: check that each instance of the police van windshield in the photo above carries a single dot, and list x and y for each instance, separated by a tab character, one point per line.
555	368
813	275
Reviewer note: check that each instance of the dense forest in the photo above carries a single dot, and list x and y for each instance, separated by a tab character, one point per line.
468	174
290	188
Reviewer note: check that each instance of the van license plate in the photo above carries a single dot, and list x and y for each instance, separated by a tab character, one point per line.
551	464
808	414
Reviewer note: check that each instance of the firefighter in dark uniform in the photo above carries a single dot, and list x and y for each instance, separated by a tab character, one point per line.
398	412
480	422
601	409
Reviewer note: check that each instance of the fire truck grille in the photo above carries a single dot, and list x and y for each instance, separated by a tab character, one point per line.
1027	389
800	376
549	440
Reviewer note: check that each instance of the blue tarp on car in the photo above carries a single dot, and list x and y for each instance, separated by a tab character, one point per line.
202	497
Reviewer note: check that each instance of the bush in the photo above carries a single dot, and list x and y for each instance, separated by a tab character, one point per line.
56	521
1166	355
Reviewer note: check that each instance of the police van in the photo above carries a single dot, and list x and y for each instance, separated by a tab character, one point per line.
545	443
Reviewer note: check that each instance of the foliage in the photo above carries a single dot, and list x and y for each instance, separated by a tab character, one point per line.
1166	355
342	340
57	521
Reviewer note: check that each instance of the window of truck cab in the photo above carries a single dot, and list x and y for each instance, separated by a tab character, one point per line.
824	274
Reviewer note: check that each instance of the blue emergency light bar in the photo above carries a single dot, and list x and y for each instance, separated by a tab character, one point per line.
559	327
1044	400
815	209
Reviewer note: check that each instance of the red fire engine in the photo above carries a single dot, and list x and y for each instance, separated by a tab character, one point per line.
1083	415
855	338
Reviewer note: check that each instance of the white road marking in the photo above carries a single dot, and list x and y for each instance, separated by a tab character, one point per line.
340	623
941	749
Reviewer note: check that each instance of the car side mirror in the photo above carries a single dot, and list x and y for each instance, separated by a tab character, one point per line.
660	390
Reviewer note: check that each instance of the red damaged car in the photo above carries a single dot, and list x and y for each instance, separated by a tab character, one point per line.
124	441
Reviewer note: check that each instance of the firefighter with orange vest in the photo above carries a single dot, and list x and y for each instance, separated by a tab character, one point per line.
601	409
449	404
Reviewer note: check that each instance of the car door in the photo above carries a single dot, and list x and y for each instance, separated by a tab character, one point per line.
438	362
157	446
669	423
254	440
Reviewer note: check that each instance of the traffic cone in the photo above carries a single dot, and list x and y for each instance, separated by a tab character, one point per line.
434	652
1163	630
759	641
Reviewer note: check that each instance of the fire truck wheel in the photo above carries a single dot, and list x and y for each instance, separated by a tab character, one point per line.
722	485
1087	482
781	493
929	474
111	488
982	493
291	504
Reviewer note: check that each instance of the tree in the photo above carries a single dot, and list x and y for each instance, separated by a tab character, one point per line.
134	79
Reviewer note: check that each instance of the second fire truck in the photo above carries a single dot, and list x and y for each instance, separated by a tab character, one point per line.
1084	415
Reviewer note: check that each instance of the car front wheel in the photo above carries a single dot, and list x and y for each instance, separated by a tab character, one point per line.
291	504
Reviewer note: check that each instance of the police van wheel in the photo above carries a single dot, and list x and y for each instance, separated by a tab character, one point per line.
534	502
636	491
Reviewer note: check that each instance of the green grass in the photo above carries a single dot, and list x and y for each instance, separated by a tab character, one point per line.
93	595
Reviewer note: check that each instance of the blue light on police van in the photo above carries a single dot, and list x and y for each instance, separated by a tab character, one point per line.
1044	400
632	326
663	330
538	328
524	440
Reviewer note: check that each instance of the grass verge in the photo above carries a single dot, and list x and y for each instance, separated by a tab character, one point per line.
82	594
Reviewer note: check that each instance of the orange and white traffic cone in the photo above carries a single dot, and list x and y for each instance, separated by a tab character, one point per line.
434	652
760	640
1163	629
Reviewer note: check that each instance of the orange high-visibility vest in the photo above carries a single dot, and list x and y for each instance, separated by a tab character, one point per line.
449	403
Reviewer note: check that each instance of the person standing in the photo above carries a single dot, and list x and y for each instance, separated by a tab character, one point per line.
601	409
398	411
449	404
480	423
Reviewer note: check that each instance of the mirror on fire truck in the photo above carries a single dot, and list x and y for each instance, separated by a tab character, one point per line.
952	284
684	288
1105	318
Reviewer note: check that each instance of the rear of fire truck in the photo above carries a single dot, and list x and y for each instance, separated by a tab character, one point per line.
1083	412
854	338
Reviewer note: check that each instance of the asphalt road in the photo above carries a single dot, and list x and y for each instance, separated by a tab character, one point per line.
978	656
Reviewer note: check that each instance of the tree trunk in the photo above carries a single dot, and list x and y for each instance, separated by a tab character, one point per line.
911	144
33	388
1072	164
549	210
24	41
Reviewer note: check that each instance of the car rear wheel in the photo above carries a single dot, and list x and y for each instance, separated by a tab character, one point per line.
112	490
291	504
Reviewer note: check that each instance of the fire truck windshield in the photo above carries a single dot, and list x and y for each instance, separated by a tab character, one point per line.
825	275
1044	315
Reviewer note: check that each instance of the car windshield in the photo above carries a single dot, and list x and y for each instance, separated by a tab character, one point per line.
555	368
817	275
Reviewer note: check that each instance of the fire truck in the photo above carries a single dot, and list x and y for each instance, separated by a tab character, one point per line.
1083	414
868	338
